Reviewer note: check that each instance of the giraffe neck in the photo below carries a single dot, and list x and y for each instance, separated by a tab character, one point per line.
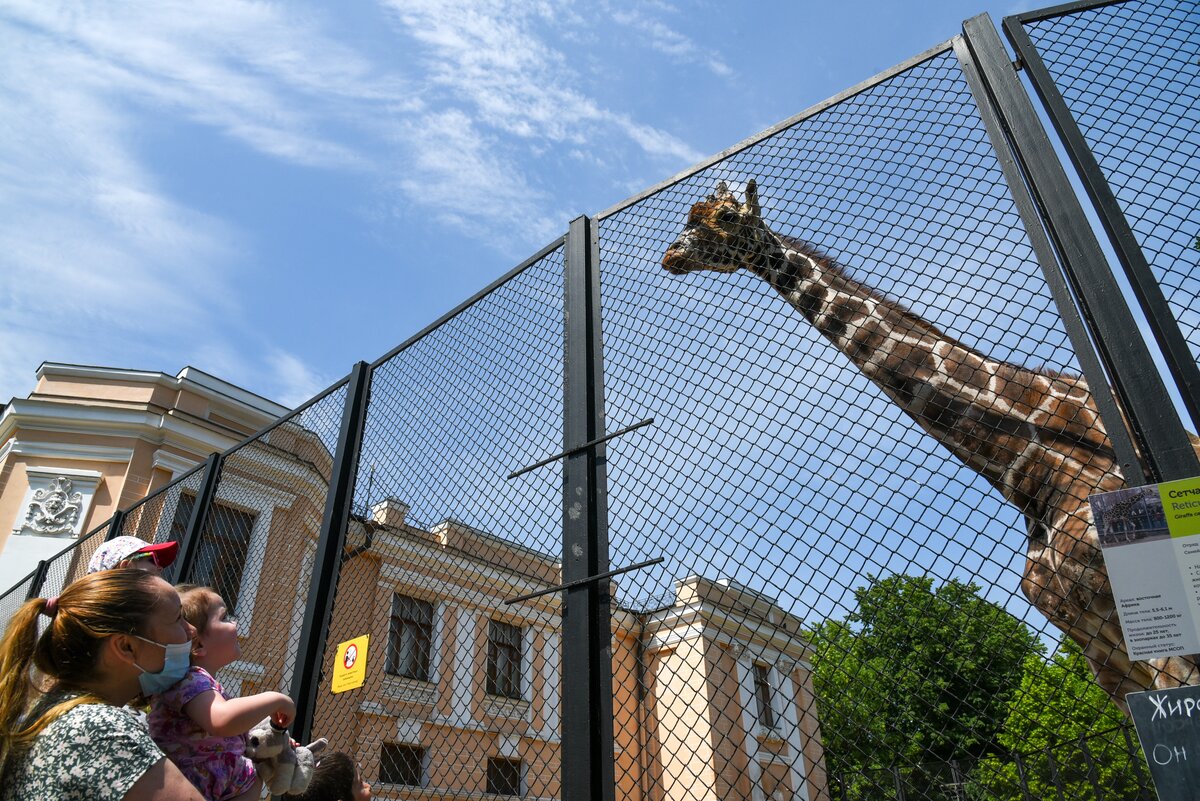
1013	426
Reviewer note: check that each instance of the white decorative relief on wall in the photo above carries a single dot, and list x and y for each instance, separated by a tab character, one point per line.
57	501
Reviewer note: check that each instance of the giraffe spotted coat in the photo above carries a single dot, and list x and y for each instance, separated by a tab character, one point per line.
1035	436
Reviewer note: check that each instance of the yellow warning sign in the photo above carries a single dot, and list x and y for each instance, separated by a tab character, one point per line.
350	667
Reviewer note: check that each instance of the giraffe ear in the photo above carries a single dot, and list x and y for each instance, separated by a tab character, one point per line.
752	204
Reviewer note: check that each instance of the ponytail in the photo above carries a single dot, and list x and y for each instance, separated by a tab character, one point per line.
16	667
64	657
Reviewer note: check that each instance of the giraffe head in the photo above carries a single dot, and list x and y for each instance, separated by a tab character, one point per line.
722	234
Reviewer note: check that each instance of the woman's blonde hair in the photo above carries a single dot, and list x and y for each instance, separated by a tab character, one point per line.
64	657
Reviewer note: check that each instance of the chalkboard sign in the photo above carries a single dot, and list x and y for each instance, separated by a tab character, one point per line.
1168	726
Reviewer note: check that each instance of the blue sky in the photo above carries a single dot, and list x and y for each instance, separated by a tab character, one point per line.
273	191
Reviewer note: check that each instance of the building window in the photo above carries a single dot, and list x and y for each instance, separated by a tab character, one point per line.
402	764
504	659
409	638
762	692
504	776
220	555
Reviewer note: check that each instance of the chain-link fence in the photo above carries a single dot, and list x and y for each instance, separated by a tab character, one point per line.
838	416
258	535
1130	75
463	691
1122	84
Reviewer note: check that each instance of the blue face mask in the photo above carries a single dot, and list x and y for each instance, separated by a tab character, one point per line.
175	667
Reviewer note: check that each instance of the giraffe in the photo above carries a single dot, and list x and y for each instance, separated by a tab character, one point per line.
1034	435
1120	518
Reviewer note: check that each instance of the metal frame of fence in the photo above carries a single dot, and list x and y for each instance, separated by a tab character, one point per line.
1147	433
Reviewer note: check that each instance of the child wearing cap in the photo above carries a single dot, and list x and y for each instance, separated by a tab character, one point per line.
133	552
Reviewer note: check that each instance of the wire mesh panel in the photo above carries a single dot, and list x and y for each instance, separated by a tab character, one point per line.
72	562
156	518
12	600
845	360
60	570
140	520
461	693
1130	74
255	549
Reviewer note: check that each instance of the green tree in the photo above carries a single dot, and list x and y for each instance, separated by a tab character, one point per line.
1057	707
916	679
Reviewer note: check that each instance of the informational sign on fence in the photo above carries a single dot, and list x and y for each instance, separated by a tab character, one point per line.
350	664
1151	541
1168	727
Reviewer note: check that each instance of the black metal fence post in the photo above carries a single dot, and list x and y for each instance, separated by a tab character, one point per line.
323	587
1081	340
39	578
1140	769
115	524
1092	773
587	721
1055	778
198	518
1147	405
1146	288
1022	779
899	782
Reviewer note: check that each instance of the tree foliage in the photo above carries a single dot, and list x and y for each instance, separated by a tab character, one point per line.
1069	736
916	678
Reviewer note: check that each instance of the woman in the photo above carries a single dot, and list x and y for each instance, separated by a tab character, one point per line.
111	637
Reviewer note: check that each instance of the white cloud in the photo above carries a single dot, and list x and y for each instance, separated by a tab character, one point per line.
98	258
296	380
670	42
454	172
241	67
490	54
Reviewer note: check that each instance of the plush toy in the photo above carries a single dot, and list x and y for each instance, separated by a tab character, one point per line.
284	769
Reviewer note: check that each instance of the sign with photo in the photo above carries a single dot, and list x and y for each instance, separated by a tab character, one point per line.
1151	541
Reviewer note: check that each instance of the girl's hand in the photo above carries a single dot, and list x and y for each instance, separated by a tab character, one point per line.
284	714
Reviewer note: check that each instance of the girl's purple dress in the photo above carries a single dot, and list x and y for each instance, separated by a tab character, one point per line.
216	765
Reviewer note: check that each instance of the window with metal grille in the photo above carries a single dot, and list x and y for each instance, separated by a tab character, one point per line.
504	776
220	555
504	659
409	638
762	692
402	764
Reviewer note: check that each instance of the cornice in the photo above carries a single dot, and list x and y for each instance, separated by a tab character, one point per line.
226	396
40	415
65	450
218	389
173	462
661	626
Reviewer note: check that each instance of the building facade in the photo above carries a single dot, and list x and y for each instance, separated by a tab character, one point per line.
712	690
90	440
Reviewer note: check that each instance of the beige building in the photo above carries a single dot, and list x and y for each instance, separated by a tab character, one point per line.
89	440
712	692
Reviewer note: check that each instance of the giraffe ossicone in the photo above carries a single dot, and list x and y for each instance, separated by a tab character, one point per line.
1034	435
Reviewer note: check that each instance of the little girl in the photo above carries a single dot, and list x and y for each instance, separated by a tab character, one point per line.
195	723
